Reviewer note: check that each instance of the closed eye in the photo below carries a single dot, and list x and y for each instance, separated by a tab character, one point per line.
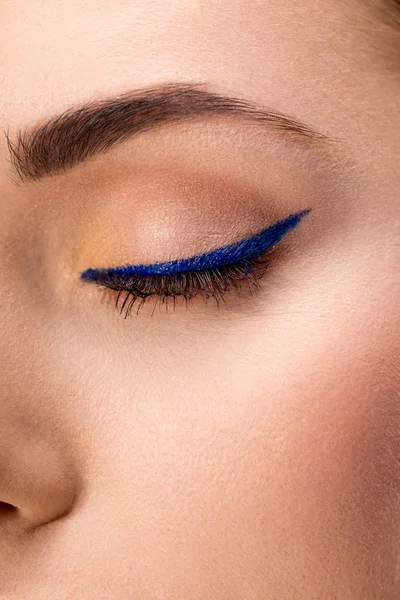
210	274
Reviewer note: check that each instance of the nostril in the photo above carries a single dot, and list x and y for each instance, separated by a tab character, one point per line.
38	480
7	508
8	515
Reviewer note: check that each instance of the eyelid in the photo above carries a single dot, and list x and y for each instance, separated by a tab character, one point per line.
252	246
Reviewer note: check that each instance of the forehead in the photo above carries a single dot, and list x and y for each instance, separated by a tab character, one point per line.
290	56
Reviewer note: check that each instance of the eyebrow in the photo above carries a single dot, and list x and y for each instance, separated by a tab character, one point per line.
77	134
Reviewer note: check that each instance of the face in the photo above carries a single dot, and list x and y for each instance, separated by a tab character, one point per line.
244	446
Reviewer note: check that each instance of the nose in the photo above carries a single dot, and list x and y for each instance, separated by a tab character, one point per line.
38	482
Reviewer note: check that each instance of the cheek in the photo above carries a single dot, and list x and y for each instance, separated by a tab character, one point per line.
315	481
298	480
303	492
306	491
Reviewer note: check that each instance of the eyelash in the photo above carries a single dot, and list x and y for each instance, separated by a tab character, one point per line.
210	283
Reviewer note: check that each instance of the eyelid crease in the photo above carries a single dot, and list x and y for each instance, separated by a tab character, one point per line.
250	247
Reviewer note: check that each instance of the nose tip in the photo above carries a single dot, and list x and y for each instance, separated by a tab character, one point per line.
38	483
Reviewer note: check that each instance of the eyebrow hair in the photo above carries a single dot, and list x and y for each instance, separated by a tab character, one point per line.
80	133
391	12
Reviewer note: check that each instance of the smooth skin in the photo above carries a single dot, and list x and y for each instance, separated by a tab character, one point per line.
241	453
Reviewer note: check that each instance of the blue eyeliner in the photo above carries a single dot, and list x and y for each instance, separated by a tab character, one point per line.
249	248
